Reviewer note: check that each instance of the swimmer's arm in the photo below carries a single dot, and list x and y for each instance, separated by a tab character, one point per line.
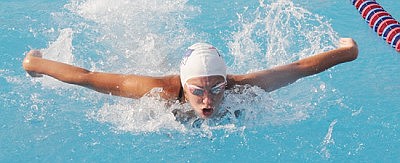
132	86
284	75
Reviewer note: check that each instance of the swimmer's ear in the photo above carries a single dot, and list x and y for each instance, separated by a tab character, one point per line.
28	56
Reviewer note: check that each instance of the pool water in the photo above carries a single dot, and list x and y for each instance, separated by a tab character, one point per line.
349	113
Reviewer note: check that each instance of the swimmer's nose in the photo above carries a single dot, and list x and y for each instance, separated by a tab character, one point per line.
207	99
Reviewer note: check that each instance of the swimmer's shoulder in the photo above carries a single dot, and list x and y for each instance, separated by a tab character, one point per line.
233	80
171	87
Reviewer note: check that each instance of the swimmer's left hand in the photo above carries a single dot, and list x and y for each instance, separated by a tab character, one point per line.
351	47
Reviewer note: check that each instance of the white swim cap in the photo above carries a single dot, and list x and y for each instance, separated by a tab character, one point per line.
202	59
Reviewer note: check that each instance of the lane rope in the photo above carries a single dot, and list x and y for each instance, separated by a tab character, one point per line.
387	27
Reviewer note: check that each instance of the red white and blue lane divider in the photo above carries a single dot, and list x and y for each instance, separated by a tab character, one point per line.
380	21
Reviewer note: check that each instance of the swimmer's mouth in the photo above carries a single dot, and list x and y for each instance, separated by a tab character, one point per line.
208	111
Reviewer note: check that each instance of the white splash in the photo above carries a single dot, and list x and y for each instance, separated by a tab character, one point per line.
61	49
328	140
139	35
144	115
148	36
277	33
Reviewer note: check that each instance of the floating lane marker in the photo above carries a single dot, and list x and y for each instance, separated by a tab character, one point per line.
373	12
388	29
380	21
395	40
369	8
391	35
385	24
398	46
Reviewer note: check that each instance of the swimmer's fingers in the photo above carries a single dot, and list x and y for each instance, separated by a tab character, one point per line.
34	53
351	46
28	62
347	42
34	74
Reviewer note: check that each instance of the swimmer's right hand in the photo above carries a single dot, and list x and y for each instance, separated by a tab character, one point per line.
27	64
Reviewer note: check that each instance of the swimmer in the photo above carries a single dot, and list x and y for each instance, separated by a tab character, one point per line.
202	80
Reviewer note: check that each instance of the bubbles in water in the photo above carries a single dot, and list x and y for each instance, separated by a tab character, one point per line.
37	112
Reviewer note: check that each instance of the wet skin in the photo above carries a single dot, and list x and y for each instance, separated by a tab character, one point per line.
206	105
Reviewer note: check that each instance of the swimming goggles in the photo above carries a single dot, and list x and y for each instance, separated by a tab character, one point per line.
195	90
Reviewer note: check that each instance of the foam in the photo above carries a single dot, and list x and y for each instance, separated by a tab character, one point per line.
278	33
139	34
143	38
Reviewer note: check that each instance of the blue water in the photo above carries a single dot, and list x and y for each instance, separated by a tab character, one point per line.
347	114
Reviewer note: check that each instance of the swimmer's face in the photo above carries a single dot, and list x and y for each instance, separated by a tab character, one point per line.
205	94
